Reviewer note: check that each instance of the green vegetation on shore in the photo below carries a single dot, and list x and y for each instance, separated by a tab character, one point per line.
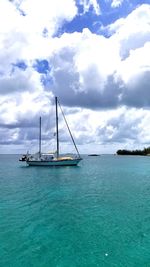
144	152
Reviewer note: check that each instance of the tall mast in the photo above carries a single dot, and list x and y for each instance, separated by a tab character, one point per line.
57	135
40	136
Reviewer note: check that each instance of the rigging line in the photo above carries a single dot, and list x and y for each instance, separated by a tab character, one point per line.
40	136
69	130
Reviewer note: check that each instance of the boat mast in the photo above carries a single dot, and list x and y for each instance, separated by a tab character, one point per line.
40	136
57	135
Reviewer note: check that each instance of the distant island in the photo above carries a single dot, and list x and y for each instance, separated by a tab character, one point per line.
93	155
137	152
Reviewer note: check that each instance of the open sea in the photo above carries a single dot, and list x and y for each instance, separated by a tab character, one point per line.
96	214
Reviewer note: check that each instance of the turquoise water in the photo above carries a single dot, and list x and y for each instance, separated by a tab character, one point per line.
97	214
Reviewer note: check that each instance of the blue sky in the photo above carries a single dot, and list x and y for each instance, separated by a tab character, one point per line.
107	16
94	55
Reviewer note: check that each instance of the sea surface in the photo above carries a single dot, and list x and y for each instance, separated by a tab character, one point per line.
96	214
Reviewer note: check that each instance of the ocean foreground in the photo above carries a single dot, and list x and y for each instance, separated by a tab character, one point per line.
95	214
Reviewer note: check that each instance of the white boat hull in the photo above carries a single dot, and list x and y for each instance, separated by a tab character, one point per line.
53	163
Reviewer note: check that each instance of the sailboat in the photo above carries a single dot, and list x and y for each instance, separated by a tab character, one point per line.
52	159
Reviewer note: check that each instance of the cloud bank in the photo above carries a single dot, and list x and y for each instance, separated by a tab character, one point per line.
96	75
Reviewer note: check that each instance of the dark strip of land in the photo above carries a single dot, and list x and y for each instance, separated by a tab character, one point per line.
144	152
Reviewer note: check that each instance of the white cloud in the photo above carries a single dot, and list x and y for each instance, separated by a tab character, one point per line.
47	14
28	37
89	62
132	32
116	3
19	81
96	74
136	64
90	3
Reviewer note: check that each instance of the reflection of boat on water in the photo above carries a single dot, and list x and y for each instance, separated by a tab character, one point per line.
52	159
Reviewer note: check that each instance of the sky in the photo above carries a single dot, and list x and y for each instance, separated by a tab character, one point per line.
94	55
